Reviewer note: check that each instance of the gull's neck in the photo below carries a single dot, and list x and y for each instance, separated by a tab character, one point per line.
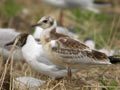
31	40
30	44
30	49
47	33
37	33
53	27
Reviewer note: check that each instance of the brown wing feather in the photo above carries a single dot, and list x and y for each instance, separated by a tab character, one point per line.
70	49
66	41
54	35
74	50
72	44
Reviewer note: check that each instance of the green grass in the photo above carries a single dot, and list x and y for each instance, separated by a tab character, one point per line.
10	8
111	84
96	26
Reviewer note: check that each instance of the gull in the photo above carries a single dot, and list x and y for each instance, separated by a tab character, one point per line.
34	55
7	35
27	82
67	52
91	44
68	4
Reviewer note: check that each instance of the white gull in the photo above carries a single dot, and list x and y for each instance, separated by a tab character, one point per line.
34	55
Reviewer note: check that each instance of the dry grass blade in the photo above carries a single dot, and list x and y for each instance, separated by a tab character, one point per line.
115	32
56	85
5	69
11	71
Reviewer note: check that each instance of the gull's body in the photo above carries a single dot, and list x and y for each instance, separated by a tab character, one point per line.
7	35
73	54
62	49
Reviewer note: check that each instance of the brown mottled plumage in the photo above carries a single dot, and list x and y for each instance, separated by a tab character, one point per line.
65	51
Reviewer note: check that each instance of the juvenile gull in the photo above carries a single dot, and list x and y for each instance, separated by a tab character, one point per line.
67	52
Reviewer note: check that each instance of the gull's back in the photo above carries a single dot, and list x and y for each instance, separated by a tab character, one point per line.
7	35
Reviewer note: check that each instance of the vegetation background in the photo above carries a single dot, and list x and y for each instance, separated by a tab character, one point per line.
103	28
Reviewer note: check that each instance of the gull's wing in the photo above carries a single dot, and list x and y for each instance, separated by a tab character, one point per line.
42	58
73	51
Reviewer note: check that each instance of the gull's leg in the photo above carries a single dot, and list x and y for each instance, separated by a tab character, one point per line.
69	74
61	18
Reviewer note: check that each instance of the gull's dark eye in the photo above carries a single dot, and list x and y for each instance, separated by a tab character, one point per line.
45	21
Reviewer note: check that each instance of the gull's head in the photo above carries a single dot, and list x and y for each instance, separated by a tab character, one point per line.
46	22
22	38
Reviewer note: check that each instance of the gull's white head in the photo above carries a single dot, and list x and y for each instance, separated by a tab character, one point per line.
46	22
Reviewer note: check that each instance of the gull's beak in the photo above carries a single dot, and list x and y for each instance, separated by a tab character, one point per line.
10	43
34	25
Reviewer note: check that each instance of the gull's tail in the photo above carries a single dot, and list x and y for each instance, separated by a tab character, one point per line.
114	59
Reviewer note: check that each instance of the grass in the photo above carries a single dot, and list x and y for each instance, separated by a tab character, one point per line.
10	8
99	27
111	84
103	28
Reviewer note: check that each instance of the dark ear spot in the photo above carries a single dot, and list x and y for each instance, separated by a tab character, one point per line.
23	39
